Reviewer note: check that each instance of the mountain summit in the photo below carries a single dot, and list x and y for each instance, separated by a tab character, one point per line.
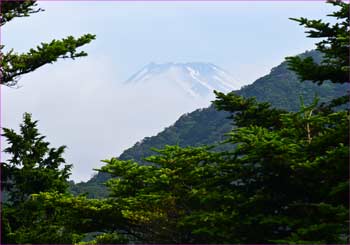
196	79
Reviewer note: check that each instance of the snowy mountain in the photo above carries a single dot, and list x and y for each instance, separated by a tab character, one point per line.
195	79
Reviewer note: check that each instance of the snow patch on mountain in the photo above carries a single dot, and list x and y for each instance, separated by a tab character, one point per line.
196	79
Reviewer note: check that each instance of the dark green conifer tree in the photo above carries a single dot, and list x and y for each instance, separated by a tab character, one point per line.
13	65
32	167
286	181
335	65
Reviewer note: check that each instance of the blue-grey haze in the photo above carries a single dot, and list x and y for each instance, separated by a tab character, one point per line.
79	103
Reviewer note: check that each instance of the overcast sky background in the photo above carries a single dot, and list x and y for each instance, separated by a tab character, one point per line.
80	104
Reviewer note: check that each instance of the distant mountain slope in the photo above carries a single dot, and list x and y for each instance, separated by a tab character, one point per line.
280	87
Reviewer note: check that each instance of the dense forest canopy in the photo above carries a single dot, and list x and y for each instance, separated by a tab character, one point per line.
209	126
285	178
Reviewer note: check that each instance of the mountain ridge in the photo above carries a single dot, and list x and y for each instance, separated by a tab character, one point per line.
198	79
280	87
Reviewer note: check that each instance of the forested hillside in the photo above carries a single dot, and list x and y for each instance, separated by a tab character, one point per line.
282	178
281	87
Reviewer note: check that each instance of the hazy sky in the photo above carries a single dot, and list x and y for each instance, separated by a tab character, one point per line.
78	103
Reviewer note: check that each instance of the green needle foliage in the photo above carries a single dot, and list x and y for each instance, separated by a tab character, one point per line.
156	200
13	9
33	167
39	208
279	185
334	46
284	180
13	65
64	219
288	177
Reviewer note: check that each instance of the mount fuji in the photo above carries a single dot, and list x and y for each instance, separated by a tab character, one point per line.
195	80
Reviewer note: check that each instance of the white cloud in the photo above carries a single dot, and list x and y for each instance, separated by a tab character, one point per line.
82	104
